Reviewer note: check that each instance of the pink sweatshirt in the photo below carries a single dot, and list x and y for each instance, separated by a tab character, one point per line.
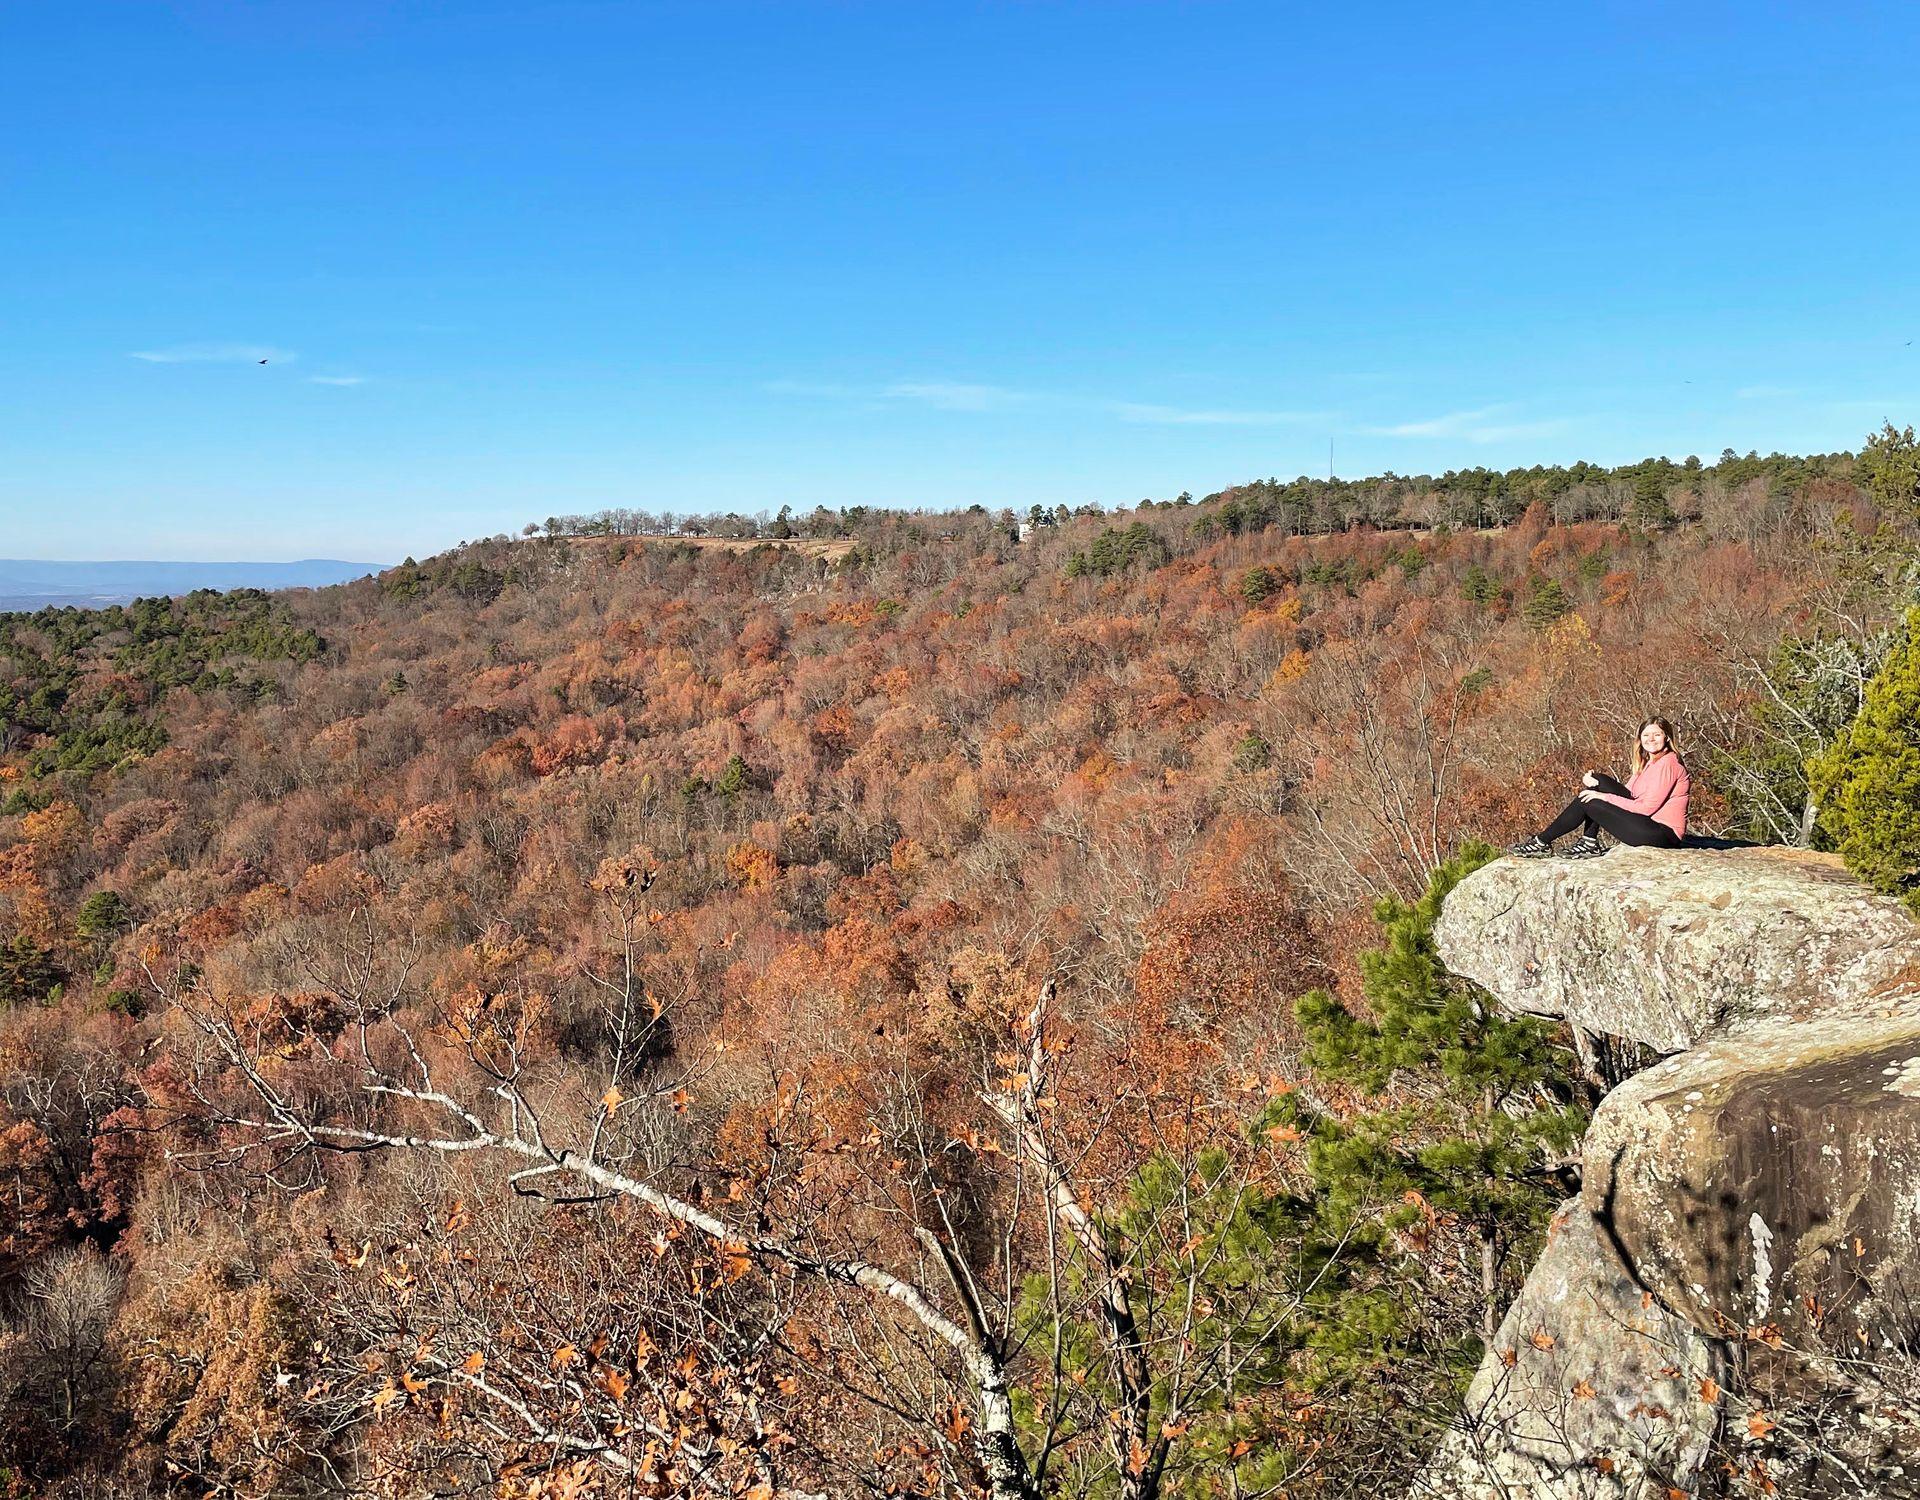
1659	790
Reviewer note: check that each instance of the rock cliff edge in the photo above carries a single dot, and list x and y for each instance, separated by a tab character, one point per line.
1746	1244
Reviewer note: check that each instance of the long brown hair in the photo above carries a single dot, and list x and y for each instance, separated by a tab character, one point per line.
1639	755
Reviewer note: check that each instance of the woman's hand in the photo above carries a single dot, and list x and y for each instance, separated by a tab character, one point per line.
1589	795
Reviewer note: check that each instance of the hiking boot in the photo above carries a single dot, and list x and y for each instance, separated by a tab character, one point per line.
1584	847
1530	848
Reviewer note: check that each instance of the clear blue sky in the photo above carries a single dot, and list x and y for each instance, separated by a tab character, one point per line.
508	259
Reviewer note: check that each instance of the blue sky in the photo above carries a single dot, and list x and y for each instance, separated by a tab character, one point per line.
508	259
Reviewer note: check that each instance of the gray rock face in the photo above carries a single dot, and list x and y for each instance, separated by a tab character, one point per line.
1760	1188
1592	1389
1665	947
1771	1180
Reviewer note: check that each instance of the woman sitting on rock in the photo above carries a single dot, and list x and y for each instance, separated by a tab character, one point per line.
1650	809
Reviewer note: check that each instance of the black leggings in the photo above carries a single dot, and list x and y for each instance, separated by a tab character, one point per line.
1627	827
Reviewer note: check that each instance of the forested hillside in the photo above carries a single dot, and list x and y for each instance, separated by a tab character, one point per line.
945	1014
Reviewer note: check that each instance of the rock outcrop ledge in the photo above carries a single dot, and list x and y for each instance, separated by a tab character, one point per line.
1749	1217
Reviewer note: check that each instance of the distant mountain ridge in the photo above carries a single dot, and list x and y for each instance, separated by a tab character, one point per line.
28	583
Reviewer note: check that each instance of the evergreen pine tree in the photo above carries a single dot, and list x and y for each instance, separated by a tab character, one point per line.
1259	584
1546	603
1507	1100
29	975
735	777
102	915
1867	782
1890	469
1480	586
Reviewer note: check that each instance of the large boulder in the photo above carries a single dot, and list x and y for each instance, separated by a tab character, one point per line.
1770	1180
1664	947
1592	1390
1760	1187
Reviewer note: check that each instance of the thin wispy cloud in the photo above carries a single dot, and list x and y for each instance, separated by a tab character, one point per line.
1176	416
944	395
336	379
1882	408
1486	424
941	395
974	396
955	395
214	354
1453	424
826	390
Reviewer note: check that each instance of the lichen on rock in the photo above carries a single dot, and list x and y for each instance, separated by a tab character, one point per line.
1666	947
1796	1126
1592	1388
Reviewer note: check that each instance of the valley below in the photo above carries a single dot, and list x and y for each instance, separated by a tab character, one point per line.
955	1005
